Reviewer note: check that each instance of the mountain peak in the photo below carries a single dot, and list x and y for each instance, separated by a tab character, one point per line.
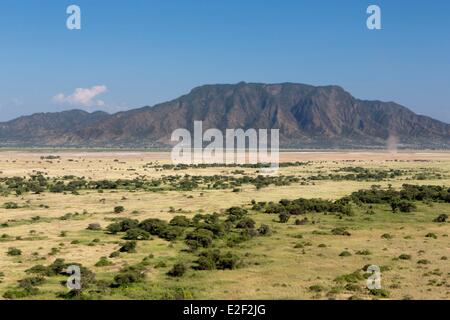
307	117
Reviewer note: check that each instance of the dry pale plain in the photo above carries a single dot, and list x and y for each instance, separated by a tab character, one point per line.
296	262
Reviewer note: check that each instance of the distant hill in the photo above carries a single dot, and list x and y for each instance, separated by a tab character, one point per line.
307	116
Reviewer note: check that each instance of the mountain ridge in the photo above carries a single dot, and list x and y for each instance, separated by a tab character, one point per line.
307	116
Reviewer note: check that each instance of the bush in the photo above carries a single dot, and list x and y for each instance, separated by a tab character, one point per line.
178	270
113	228
24	290
299	222
431	235
14	252
316	288
122	225
354	277
227	261
217	228
129	275
382	293
264	230
11	205
58	267
94	226
423	261
214	259
114	254
284	217
235	213
363	252
31	282
119	209
246	223
340	232
180	221
403	206
205	263
441	218
137	234
103	262
404	257
127	224
153	226
38	269
127	278
171	233
199	238
345	254
129	247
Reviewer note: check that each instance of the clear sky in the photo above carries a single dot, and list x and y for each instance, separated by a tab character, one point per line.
133	53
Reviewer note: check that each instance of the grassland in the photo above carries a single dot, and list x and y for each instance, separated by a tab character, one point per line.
294	262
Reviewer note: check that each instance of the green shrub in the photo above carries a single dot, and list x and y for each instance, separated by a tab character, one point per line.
214	259
236	213
382	293
24	291
11	205
114	254
227	261
345	254
137	234
205	263
119	209
441	218
122	225
264	230
404	256
301	222
423	261
103	262
126	278
31	281
354	277
180	221
129	247
153	226
246	223
171	233
94	226
113	228
403	206
340	232
129	275
284	217
199	238
363	252
352	287
38	269
14	252
316	288
178	270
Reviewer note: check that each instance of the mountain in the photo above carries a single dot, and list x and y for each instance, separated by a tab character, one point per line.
46	128
307	116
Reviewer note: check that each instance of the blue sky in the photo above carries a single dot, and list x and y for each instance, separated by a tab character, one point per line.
140	52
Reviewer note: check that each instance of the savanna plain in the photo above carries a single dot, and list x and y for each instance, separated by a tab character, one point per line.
141	228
